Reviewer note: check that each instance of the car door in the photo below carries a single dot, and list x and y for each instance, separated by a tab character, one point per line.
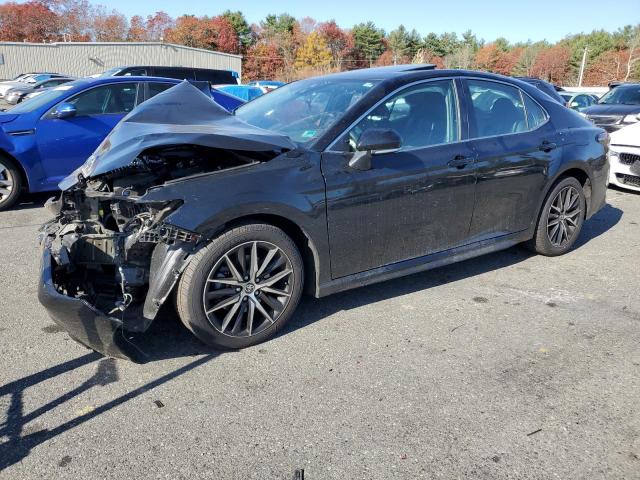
65	144
411	202
515	142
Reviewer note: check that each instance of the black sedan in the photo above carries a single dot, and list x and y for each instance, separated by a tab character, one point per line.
617	108
323	185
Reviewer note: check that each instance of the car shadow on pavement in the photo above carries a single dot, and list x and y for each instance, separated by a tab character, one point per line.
21	439
167	338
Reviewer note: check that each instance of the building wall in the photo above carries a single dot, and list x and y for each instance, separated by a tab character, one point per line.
83	59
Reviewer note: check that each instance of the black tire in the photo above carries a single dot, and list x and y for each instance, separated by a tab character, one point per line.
202	278
549	240
10	183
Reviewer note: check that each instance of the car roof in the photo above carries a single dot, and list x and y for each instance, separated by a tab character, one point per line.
98	80
381	73
418	72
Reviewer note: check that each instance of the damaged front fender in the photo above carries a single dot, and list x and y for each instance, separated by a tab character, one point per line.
167	264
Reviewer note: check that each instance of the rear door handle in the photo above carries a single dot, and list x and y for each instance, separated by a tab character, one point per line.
460	161
547	146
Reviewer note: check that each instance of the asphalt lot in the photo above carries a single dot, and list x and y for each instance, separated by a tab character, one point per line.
505	366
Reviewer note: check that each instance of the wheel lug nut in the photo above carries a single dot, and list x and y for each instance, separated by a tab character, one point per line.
244	299
238	289
246	278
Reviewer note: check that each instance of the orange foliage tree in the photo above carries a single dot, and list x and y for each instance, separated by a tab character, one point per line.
28	22
552	64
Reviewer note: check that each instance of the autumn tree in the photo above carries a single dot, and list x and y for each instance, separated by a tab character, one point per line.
262	61
606	68
75	18
314	53
633	58
552	64
240	26
109	26
137	30
158	26
28	22
338	41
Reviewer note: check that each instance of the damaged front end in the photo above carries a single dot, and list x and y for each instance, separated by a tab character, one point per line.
110	259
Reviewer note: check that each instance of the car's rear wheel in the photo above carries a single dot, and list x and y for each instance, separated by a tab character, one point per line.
242	288
561	218
10	183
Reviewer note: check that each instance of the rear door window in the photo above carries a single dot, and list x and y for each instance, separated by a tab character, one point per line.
496	109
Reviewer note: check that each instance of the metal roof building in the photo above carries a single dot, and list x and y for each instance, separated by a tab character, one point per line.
80	59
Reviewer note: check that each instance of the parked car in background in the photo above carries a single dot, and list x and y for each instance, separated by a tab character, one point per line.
327	183
44	139
266	85
226	77
617	108
624	157
18	93
30	78
546	87
578	101
245	92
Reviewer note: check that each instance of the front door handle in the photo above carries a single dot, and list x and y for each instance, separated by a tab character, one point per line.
547	146
460	161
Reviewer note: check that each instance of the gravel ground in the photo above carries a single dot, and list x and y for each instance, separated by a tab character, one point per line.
505	366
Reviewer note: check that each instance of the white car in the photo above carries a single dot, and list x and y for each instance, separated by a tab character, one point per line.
624	157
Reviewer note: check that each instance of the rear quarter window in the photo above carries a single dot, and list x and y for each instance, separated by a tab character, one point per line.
536	115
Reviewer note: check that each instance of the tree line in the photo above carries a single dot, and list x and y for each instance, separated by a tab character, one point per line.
286	48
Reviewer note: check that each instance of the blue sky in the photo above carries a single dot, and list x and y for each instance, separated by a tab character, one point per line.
517	20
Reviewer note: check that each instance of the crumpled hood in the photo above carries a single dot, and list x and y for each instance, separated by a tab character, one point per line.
181	115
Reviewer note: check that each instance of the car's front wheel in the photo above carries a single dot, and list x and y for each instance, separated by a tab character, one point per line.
10	183
561	218
242	288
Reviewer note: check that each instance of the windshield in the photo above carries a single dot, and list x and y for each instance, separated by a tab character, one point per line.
31	104
304	110
622	95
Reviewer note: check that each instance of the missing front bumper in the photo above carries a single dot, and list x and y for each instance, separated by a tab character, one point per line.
85	324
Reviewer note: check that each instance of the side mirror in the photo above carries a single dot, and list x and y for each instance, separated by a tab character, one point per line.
372	142
574	105
65	110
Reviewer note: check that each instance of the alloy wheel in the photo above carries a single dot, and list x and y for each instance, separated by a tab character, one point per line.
563	218
248	288
6	182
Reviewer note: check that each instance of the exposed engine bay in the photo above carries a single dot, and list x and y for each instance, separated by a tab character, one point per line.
108	243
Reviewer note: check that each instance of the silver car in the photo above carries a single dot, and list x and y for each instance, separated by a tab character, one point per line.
19	92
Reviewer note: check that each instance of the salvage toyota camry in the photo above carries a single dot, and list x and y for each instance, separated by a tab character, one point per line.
323	185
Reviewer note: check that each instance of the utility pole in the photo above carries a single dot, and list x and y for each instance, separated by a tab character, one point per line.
584	61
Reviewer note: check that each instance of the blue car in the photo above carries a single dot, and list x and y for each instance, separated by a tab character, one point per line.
45	138
244	92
